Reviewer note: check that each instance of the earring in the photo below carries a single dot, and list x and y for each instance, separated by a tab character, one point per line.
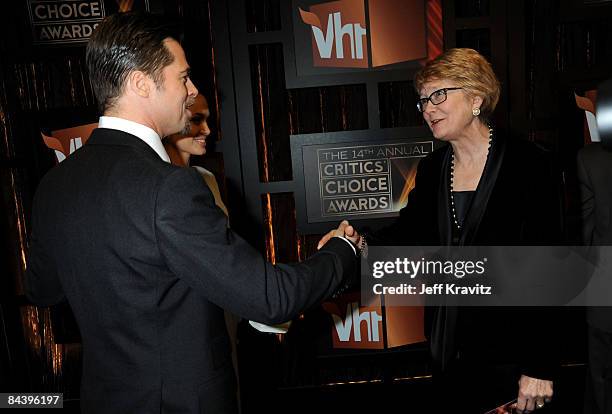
476	111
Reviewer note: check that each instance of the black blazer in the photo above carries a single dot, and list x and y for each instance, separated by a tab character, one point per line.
142	254
516	203
595	176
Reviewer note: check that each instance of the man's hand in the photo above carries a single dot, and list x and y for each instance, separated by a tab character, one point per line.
533	394
343	230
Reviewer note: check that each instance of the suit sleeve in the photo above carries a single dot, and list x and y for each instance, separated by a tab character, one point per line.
192	238
587	201
42	285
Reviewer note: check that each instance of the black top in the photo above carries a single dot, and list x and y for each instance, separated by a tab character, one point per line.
462	200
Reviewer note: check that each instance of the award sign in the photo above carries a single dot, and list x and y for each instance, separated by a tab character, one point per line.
356	180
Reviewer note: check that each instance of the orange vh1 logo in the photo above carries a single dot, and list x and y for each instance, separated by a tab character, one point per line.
66	141
341	32
355	326
347	41
365	326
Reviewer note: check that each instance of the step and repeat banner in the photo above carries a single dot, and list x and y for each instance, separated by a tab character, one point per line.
362	176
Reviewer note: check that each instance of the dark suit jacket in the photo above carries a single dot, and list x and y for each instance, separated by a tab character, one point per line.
143	256
595	176
516	203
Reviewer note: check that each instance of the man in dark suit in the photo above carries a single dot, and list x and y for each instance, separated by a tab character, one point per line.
141	253
595	175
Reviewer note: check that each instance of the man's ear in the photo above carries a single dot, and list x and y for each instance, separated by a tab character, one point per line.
139	83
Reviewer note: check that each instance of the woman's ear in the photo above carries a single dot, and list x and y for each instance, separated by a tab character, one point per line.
477	101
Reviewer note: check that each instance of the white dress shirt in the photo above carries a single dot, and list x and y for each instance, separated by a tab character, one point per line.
143	132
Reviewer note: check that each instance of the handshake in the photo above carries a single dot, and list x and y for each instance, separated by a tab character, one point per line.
346	231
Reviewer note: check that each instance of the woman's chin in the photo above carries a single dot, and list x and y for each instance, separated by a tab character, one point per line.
199	146
436	131
439	135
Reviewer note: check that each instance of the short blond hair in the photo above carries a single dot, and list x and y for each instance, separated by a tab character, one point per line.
469	70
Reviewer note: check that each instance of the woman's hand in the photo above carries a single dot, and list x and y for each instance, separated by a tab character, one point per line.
343	230
533	394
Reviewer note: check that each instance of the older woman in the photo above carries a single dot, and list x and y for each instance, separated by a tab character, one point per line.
484	188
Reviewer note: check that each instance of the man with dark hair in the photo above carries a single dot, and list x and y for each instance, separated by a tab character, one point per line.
129	41
141	253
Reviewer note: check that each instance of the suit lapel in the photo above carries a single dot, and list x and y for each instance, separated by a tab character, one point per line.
483	192
444	218
444	318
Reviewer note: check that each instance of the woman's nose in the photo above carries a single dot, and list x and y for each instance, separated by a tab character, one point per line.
429	108
204	129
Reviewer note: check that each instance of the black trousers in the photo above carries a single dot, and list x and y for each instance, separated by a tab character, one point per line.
598	395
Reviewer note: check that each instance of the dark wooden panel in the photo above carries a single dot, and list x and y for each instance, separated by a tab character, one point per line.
471	8
262	15
398	105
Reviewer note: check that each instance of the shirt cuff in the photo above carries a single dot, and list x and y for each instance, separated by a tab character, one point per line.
349	242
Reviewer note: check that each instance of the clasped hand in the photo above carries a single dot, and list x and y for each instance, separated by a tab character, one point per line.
344	230
533	394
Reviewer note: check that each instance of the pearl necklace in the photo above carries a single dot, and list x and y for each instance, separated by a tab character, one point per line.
452	197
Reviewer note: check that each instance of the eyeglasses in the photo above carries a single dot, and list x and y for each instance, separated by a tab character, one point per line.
436	98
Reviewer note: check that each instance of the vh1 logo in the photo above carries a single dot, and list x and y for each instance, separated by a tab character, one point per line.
341	32
355	326
66	141
363	326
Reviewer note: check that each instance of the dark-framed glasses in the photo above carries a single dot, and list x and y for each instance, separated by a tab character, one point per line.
436	98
